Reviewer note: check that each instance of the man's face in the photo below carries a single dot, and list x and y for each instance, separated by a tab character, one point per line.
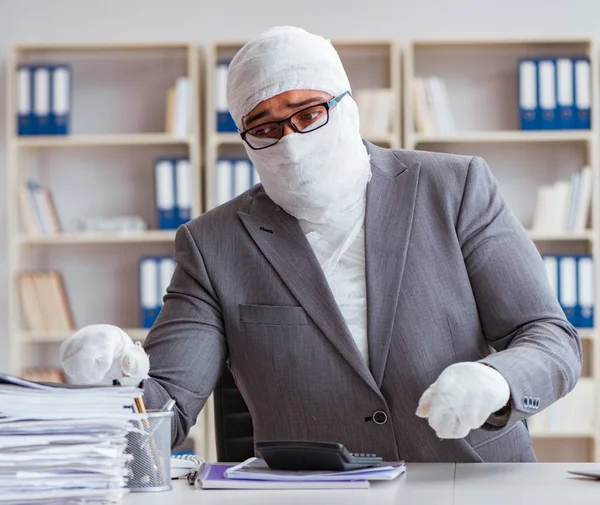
282	106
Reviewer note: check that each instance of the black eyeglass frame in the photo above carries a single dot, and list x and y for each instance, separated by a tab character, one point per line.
330	104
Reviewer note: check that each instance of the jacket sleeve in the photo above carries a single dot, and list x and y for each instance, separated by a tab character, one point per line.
186	345
538	350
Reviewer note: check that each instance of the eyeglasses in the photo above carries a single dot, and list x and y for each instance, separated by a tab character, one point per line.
304	121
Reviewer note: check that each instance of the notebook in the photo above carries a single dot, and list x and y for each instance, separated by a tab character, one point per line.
213	477
257	469
594	474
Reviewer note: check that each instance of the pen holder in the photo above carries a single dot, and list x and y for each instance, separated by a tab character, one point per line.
150	445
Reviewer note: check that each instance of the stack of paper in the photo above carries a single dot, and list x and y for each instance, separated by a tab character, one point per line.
254	473
59	445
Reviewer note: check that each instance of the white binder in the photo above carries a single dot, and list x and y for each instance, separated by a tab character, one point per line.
183	190
167	268
181	123
41	101
243	173
224	181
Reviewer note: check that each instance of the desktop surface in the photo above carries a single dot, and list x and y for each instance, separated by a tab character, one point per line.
423	483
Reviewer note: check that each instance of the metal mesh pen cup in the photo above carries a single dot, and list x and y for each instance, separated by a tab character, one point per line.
150	445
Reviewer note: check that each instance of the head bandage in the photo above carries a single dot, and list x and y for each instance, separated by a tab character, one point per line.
282	59
321	176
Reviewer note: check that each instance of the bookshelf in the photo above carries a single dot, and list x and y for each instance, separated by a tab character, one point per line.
370	64
103	168
481	79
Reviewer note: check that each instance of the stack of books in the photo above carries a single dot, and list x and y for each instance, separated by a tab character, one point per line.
178	108
376	109
45	303
565	205
63	445
38	211
433	115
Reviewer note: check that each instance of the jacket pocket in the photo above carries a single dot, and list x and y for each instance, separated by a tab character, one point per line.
272	314
511	444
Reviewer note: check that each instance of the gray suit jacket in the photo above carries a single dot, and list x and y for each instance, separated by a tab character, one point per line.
451	277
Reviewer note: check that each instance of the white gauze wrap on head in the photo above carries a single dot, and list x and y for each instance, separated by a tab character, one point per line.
319	177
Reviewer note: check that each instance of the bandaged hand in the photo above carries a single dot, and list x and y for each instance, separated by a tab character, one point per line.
463	398
99	354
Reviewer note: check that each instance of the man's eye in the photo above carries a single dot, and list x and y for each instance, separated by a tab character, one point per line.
263	131
310	115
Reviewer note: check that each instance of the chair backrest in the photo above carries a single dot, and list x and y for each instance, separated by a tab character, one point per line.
233	423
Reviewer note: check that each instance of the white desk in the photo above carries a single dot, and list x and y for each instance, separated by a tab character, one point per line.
423	484
524	483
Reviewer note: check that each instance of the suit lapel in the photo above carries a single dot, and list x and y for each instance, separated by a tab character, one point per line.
280	238
391	197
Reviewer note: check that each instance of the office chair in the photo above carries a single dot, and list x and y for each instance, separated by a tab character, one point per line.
233	423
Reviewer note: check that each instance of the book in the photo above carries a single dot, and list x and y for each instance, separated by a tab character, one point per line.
170	110
38	210
213	477
45	303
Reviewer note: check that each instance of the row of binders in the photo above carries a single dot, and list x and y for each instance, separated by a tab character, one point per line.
38	211
433	115
155	277
233	177
43	99
555	93
173	192
565	205
571	278
224	120
45	303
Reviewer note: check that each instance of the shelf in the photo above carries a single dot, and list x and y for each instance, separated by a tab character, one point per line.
492	41
383	139
560	435
108	140
99	238
586	333
235	139
227	138
561	237
102	46
505	136
60	336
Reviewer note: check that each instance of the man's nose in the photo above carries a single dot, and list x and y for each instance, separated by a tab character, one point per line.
287	129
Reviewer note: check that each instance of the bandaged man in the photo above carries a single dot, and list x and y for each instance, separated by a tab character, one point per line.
385	299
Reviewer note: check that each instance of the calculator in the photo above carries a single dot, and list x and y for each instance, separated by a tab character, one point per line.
307	455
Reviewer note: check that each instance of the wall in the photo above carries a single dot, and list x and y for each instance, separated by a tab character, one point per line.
203	21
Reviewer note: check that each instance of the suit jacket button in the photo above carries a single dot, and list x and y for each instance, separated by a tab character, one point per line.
380	417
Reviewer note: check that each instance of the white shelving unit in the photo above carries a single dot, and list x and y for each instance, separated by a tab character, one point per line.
481	76
105	165
368	63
